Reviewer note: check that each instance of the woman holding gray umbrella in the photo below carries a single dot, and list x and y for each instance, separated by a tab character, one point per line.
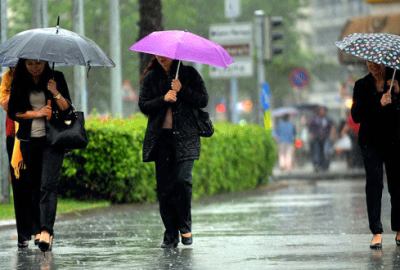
172	140
33	86
376	108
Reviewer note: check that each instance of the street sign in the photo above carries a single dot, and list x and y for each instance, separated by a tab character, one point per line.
128	92
221	33
241	68
232	8
265	96
299	78
236	39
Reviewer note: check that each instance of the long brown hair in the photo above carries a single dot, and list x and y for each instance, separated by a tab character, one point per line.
149	66
154	63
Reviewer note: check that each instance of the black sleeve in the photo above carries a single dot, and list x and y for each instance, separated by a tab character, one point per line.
149	104
193	89
364	107
62	88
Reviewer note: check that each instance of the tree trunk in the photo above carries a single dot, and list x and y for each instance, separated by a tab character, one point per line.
150	21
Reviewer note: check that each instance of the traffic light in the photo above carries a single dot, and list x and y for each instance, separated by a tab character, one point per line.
272	35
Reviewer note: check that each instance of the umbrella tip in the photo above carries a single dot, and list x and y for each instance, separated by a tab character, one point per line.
185	30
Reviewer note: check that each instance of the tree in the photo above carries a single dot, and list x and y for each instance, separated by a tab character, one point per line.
150	21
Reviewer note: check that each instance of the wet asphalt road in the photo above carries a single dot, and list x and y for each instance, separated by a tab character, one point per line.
305	225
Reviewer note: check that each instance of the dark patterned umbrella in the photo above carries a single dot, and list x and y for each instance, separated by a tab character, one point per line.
380	48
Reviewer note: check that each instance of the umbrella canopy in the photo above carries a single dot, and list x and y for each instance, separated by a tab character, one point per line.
284	111
183	45
6	61
58	45
380	48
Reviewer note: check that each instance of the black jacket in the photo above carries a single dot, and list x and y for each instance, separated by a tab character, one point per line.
379	125
193	94
19	102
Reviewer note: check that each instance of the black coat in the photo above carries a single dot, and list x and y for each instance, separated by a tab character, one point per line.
379	125
19	102
193	94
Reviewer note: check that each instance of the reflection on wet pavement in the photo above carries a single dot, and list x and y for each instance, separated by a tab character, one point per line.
308	225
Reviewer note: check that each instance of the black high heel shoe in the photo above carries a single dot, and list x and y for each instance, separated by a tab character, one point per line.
376	246
36	241
23	244
167	244
187	240
397	242
44	246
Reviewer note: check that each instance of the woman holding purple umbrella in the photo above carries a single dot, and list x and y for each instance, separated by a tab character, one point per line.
172	140
377	109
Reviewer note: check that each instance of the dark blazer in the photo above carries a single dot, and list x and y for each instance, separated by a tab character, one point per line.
19	102
193	94
379	125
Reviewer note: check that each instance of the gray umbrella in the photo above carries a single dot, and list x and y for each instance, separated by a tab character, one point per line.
6	61
56	45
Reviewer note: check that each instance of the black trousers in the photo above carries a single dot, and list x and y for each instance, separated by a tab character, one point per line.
22	201
374	158
43	164
174	190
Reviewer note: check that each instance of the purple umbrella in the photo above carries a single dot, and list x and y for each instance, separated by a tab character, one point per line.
183	45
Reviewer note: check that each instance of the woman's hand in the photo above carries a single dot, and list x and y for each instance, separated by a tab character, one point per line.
52	87
386	99
44	111
395	85
170	96
176	85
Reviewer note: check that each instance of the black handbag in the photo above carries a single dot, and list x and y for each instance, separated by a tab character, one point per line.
206	128
67	131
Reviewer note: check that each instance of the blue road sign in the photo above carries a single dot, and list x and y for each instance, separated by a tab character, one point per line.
299	78
265	96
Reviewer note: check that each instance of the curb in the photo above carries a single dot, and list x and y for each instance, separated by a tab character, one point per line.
10	223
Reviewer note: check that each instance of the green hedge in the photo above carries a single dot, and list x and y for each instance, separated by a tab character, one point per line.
235	158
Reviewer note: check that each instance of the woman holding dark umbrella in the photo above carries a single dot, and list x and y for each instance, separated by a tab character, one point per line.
172	140
377	111
34	84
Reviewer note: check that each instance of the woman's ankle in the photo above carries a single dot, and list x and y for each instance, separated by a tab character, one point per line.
376	238
187	234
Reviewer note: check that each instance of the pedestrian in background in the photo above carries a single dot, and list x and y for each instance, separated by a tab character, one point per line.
172	140
354	159
21	194
322	133
285	132
377	111
33	85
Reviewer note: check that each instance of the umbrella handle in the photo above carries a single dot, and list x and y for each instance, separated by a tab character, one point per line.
391	83
48	117
177	70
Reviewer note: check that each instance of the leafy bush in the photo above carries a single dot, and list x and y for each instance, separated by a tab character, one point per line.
235	158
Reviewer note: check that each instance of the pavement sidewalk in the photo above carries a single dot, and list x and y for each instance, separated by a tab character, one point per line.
337	170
